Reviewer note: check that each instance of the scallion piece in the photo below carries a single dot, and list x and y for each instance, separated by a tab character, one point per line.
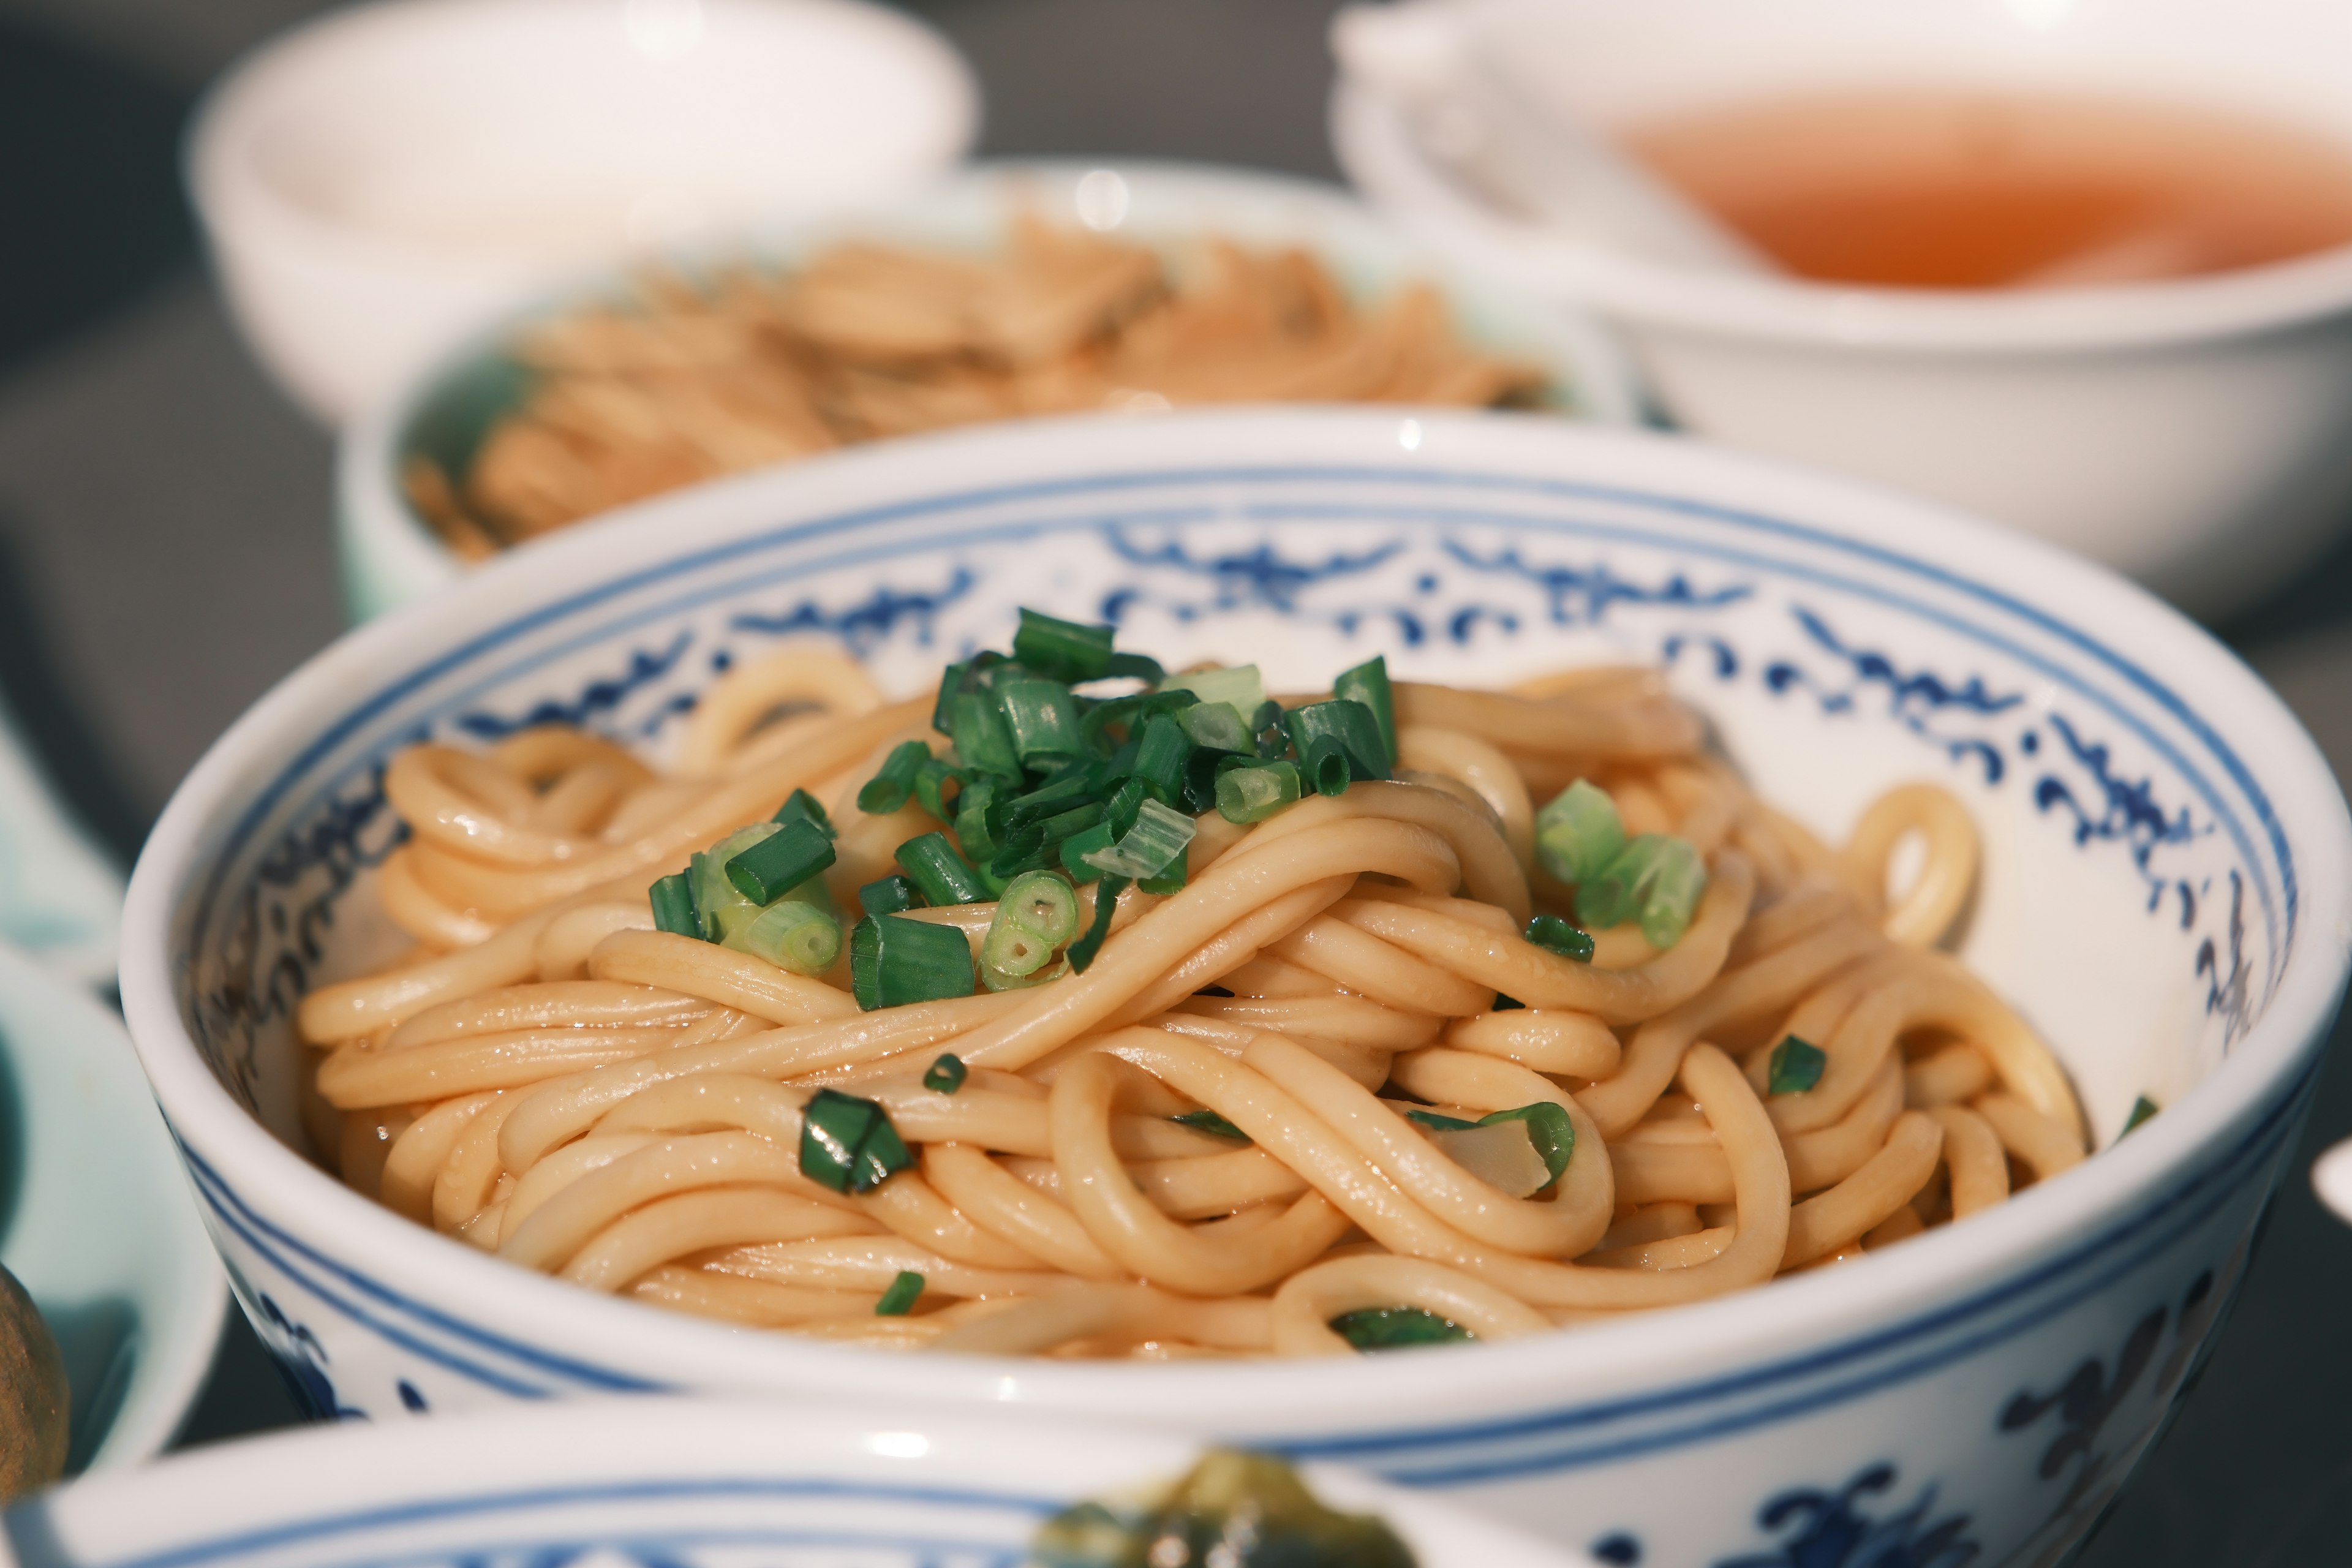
1161	836
1397	1328
1082	951
889	895
1443	1123
1579	833
1254	793
767	871
1549	1128
1551	932
888	790
1323	761
938	873
1368	683
1169	881
2142	1108
973	809
1217	727
802	806
1011	951
1125	801
1677	882
719	904
847	1143
894	961
1159	759
1054	829
1239	685
1043	903
673	902
932	781
1075	785
1318	726
1062	649
795	934
1209	1121
1795	1065
900	1297
983	742
1042	717
1618	891
946	1074
1074	850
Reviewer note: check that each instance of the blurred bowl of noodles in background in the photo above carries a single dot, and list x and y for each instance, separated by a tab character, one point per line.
1015	290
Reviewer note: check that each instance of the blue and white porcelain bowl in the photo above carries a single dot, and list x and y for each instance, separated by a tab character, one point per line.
2168	871
662	1484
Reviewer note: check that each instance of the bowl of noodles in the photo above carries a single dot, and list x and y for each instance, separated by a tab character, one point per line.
1766	1012
1010	290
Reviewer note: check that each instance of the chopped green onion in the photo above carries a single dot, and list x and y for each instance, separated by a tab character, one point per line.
1201	774
1209	1121
942	876
1579	833
1074	850
983	742
888	790
894	961
931	781
1324	763
1012	950
1617	893
1272	740
1161	836
1368	683
946	1075
1795	1065
1075	785
1397	1328
1062	649
1134	713
767	871
1082	951
1159	759
1042	719
2142	1108
1044	903
848	1144
802	806
1169	881
1677	882
720	905
1218	726
900	1297
1135	667
1054	829
973	809
1349	725
1504	1158
1239	684
1556	934
673	903
889	895
1254	793
1125	801
1440	1122
798	934
1549	1128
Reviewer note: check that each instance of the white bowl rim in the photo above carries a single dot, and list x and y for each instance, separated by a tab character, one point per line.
2263	1082
1369	136
217	172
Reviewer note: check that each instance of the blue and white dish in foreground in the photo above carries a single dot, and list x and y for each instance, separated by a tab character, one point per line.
2167	869
659	1484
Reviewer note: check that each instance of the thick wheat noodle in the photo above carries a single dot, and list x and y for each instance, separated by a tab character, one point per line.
1199	1188
420	1154
695	968
1309	1301
1974	1155
1389	974
1482	765
466	1184
1019	1212
1356	1020
873	1264
561	1003
1670	1173
1952	1076
1487	871
1237	945
1548	1039
1948	875
1651	1222
1654	1054
353	1077
561	949
1826	1155
356	1007
1039	1324
734	707
1883	1184
534	1187
418	914
551	1233
437	808
2042	1141
1654	726
756	1303
581	799
1798	911
1817	1019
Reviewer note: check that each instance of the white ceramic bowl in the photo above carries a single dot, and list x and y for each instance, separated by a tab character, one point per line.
2192	434
95	1221
664	1484
2168	895
389	556
378	181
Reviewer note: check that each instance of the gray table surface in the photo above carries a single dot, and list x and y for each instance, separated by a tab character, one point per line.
164	557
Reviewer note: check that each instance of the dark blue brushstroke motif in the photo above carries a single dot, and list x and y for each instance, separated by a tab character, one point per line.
869	622
596	699
2123	810
1727	658
302	1361
2227	992
1583	595
1834	1530
1913	698
1259	577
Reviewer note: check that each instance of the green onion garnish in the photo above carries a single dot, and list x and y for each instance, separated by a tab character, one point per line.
1125	801
1320	727
1443	1123
847	1143
1551	932
2142	1108
1161	836
1579	833
946	1075
1368	683
767	871
1074	850
1324	764
899	1298
894	961
802	806
1239	685
719	904
1677	885
1035	914
1169	881
1795	1065
1217	726
1254	793
889	895
1396	1328
1617	892
931	781
1549	1128
802	934
938	873
1160	758
673	903
1062	649
984	744
1042	717
1209	1121
973	808
1082	951
888	790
